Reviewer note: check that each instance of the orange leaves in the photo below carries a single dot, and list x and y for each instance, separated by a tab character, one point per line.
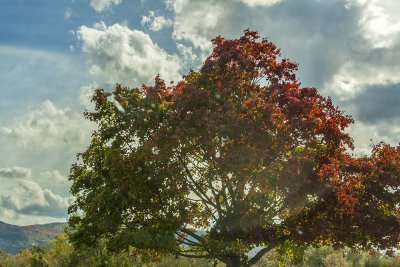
247	59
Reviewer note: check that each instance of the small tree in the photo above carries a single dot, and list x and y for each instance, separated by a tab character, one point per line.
3	258
234	157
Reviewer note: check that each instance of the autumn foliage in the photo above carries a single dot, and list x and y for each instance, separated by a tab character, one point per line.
234	156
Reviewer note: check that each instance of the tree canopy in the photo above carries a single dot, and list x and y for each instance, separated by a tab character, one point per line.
236	157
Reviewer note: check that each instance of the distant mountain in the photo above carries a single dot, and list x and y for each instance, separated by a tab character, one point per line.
15	238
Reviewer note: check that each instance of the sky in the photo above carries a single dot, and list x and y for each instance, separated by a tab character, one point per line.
53	54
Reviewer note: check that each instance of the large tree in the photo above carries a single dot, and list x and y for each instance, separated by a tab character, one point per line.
235	158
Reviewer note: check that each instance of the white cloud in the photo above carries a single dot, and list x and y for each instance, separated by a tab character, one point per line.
29	76
49	126
67	14
198	21
30	199
45	139
126	56
55	176
187	53
101	5
365	135
380	27
255	3
15	172
355	75
86	94
155	23
35	137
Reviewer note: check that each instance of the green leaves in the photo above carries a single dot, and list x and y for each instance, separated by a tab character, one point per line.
289	250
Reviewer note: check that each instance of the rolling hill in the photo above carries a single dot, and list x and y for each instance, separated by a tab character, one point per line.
15	238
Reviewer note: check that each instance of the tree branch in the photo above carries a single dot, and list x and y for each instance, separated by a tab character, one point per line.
192	234
197	189
191	255
187	241
227	188
259	255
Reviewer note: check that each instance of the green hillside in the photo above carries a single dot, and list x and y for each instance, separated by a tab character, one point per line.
15	238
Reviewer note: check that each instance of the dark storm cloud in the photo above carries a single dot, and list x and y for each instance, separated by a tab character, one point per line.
377	103
320	35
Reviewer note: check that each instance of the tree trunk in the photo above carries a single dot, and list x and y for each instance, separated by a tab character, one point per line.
235	261
232	260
